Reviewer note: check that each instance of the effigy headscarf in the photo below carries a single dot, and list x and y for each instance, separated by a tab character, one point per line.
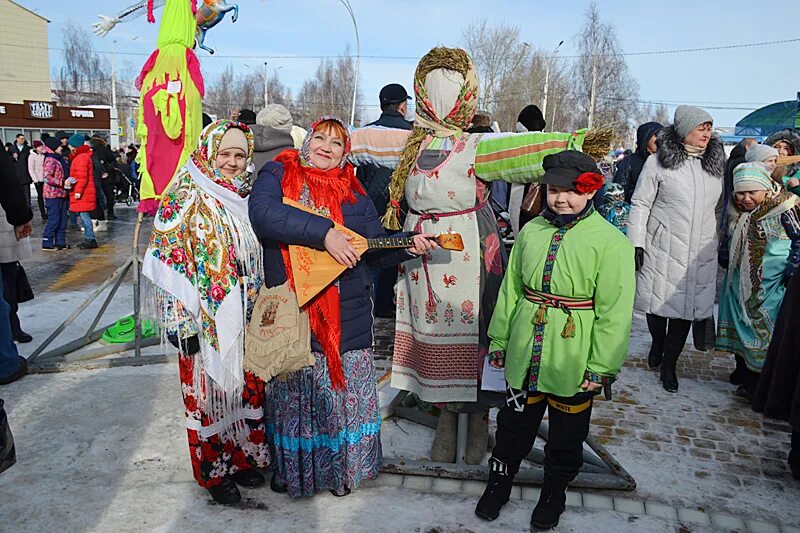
428	121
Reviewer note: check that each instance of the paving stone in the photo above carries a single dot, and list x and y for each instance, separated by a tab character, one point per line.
473	488
389	480
418	483
574	499
531	494
447	486
790	529
597	501
661	511
694	516
757	526
626	505
516	492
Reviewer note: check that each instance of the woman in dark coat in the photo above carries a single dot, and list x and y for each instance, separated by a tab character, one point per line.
778	392
325	418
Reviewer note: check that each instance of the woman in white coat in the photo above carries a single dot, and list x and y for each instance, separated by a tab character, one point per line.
12	251
673	223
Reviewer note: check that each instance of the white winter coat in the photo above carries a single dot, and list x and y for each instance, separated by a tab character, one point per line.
674	217
12	250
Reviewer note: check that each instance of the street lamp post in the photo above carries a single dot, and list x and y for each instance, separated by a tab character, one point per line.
114	134
547	77
346	4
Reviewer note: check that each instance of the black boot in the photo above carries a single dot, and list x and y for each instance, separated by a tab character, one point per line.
225	493
277	486
498	490
673	346
794	455
657	325
88	244
738	375
552	502
248	478
669	376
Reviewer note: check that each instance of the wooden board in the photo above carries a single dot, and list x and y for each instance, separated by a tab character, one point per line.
313	269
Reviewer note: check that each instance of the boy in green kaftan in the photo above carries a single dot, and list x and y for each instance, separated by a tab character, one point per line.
561	330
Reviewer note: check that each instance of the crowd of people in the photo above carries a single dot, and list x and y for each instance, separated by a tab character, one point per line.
229	239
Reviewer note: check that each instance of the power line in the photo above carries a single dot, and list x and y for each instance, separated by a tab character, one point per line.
416	58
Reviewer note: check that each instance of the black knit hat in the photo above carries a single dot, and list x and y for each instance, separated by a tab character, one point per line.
531	117
247	116
563	168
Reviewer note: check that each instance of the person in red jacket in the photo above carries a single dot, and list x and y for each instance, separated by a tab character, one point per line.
82	195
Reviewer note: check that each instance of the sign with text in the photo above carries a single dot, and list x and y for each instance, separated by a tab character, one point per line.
40	110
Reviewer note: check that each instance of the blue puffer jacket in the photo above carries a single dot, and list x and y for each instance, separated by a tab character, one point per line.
275	222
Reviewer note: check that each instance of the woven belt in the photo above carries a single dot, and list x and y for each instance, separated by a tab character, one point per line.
567	305
432	297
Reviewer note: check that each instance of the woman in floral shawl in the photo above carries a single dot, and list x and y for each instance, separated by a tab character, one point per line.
326	430
205	264
764	230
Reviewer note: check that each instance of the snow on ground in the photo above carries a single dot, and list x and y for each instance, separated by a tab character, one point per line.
105	450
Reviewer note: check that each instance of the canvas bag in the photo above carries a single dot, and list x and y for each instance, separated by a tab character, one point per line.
278	339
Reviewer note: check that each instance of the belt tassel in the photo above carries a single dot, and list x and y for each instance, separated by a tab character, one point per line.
541	315
569	328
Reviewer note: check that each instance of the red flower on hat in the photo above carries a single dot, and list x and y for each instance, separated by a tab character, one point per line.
588	182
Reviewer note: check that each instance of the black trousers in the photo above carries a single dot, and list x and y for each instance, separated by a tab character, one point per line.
108	192
40	198
10	295
519	420
670	333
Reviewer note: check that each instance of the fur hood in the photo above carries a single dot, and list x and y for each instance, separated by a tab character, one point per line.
788	135
672	154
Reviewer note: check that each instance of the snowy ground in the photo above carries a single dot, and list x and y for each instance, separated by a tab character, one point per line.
105	450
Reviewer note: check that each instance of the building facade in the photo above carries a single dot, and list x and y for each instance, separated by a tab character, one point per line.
34	117
26	62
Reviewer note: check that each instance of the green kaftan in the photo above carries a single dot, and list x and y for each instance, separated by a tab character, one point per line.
588	259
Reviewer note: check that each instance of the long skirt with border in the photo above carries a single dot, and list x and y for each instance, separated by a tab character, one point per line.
323	438
214	456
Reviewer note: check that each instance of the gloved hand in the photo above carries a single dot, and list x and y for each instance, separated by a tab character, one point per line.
187	346
638	258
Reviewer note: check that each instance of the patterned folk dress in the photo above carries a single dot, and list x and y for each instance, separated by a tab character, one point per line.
203	264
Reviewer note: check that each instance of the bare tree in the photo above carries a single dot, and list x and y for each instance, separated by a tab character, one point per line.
232	90
85	77
329	92
499	56
604	92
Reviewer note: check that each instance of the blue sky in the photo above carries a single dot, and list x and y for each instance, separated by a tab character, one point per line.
739	78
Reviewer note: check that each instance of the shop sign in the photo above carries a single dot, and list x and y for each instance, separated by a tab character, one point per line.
81	113
2	110
41	110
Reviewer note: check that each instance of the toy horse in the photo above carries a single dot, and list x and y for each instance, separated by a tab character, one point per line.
209	14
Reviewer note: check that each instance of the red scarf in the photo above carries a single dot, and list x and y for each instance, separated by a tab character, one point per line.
328	189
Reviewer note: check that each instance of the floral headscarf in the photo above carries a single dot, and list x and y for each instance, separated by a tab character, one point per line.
428	121
205	259
205	156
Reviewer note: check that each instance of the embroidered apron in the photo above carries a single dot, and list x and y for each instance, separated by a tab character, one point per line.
436	336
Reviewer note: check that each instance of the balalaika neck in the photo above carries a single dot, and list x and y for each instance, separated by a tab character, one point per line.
390	242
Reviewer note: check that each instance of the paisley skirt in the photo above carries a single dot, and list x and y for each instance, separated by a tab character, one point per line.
323	438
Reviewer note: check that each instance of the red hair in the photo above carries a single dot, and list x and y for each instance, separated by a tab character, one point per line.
332	127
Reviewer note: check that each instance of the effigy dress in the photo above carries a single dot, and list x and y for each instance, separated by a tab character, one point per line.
437	336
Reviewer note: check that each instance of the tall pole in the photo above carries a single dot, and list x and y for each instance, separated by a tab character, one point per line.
547	77
114	134
346	4
266	86
593	94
